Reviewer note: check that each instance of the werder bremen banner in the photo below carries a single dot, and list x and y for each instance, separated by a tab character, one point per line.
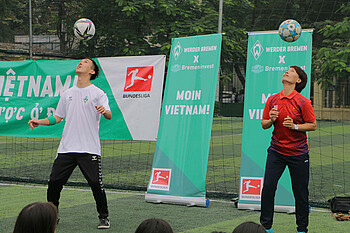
31	90
268	57
181	154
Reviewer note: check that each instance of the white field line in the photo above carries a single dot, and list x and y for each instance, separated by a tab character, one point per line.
89	190
74	189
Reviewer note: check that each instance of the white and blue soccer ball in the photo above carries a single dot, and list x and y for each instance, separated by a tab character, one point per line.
84	29
289	30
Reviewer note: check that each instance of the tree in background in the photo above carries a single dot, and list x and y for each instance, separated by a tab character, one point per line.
13	19
332	59
146	27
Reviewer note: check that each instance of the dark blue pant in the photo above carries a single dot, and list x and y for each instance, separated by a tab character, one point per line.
90	166
299	172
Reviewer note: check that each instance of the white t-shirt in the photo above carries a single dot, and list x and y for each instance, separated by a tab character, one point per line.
77	107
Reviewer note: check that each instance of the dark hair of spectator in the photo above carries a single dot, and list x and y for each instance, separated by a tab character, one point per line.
154	225
249	227
38	217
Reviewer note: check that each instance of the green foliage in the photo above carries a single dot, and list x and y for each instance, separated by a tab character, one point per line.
332	60
13	18
146	27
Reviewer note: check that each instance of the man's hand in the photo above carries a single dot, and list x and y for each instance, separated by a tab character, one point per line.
106	114
33	124
100	109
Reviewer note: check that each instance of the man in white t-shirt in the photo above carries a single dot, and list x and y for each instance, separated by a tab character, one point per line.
81	106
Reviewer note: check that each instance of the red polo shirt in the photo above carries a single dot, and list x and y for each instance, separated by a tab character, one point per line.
286	141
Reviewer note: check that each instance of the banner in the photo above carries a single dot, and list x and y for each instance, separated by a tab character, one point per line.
181	154
31	90
268	58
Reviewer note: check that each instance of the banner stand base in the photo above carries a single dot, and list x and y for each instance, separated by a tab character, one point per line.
188	201
278	208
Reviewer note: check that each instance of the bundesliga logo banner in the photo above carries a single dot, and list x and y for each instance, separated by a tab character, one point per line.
134	74
160	179
134	85
251	188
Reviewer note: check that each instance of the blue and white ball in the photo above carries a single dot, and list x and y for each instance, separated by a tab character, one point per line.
84	29
289	30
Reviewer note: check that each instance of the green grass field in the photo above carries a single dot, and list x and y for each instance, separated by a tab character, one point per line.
127	164
128	210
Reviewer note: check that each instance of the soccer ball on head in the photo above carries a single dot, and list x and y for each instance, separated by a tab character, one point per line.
289	30
84	29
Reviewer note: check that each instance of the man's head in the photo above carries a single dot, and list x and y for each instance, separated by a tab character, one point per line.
88	66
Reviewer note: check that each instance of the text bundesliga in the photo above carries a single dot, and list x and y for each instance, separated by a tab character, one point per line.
136	96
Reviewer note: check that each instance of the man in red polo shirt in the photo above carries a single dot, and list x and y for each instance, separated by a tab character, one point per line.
292	115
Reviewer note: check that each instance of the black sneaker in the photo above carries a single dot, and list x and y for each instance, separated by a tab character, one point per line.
104	224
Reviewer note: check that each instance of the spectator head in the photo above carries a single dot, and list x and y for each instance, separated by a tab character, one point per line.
154	225
249	227
38	217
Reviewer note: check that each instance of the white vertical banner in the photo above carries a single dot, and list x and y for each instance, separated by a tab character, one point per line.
137	84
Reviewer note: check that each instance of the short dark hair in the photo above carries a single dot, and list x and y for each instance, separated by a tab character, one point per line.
249	227
154	225
303	76
95	68
38	217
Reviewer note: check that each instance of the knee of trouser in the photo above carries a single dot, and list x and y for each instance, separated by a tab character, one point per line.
55	182
96	184
269	186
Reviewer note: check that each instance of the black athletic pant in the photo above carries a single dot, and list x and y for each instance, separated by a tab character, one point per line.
90	166
299	172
